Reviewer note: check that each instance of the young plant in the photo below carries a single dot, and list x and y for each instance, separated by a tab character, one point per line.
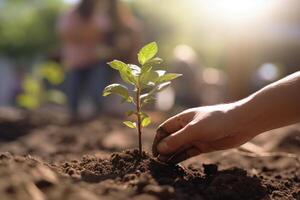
147	79
34	91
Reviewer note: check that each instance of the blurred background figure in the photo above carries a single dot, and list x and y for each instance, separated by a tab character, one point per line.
186	61
7	83
184	92
200	85
93	33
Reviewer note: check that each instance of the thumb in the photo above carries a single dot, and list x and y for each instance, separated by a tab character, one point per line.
174	142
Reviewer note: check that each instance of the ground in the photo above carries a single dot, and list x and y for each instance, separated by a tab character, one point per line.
44	158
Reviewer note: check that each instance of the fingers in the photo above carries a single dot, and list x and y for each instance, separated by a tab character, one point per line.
164	158
160	134
200	147
196	148
174	142
170	126
177	122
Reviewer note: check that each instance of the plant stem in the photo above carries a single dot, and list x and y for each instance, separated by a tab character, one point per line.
139	128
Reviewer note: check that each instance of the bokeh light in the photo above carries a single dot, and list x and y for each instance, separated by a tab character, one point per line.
268	72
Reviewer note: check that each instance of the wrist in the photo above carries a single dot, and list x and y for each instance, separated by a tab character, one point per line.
243	118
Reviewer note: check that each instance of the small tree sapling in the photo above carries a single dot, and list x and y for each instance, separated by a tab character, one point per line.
147	79
35	93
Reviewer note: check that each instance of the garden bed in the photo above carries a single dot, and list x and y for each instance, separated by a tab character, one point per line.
86	161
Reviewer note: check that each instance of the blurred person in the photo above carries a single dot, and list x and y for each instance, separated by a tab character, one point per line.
186	88
214	86
93	33
219	127
8	82
185	91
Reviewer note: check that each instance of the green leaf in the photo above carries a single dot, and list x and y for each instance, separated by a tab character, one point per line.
118	65
149	78
146	69
155	90
147	52
162	86
56	96
149	100
154	62
158	88
31	85
143	115
151	64
144	96
127	76
28	101
161	72
168	77
52	72
128	100
146	121
130	124
136	70
118	89
126	73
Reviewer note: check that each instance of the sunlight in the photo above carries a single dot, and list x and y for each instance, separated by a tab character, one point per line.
235	12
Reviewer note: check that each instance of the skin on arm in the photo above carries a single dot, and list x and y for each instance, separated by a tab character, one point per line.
211	128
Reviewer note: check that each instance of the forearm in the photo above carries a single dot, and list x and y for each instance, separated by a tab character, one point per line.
274	106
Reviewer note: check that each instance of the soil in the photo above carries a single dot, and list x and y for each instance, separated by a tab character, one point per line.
54	161
13	124
146	175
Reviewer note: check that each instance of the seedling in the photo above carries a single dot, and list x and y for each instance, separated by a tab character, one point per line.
35	93
147	79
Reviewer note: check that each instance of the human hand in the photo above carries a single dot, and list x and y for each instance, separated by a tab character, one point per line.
199	130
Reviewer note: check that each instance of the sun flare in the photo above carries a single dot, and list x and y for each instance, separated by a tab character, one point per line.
235	12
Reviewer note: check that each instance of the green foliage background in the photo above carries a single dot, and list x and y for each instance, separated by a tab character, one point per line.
27	27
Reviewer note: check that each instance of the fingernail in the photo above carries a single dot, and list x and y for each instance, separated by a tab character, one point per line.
162	147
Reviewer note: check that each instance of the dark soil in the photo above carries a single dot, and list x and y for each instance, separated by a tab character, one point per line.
13	124
52	161
147	175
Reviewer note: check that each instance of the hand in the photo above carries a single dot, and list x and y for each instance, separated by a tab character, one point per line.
211	128
199	130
